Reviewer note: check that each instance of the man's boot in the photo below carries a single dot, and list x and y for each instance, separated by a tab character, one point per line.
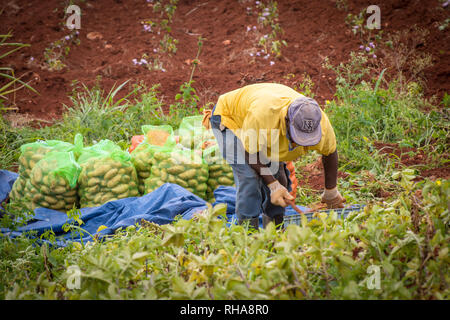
254	222
278	220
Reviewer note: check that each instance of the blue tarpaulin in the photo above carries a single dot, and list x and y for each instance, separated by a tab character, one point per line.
160	206
7	179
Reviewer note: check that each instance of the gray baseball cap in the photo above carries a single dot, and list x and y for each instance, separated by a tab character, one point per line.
304	121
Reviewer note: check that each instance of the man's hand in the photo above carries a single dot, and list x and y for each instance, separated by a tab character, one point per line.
333	198
279	194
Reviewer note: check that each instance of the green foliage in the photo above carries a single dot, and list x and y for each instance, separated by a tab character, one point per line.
7	73
406	240
168	44
366	111
305	86
188	94
446	100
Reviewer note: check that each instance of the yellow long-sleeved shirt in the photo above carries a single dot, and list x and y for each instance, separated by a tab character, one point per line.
251	109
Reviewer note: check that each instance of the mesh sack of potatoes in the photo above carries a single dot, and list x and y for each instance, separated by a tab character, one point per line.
193	134
182	167
220	172
31	154
53	182
107	174
155	137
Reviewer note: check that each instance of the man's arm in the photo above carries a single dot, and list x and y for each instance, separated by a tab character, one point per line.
330	166
331	196
258	166
279	195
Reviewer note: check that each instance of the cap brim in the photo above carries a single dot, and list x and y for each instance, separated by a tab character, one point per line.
305	139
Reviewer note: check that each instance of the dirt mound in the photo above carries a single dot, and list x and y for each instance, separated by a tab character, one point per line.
312	30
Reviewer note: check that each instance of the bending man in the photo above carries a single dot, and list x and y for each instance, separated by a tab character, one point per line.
258	127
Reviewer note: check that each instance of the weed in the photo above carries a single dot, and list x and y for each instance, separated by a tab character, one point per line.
342	5
446	100
188	94
8	72
268	17
401	53
368	37
168	44
170	8
305	87
57	51
150	63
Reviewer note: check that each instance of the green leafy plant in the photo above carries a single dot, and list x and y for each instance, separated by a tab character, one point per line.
170	9
305	87
203	258
188	95
167	43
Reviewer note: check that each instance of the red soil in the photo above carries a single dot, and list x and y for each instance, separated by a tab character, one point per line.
313	175
313	30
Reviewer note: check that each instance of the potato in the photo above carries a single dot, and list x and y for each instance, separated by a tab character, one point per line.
113	182
110	174
175	169
225	181
120	189
93	182
189	174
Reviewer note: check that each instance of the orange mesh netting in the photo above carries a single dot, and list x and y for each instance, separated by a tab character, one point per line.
291	168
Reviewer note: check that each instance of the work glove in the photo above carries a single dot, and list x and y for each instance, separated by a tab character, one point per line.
333	198
279	194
